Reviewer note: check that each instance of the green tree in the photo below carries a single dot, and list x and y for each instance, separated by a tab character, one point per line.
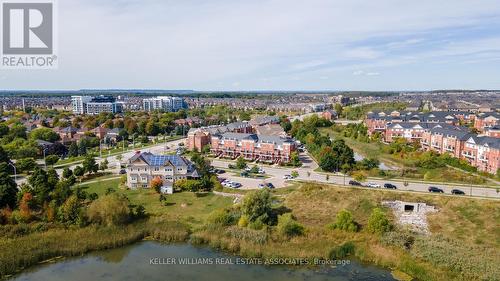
25	165
67	172
62	192
295	159
345	221
254	169
70	211
52	178
294	174
79	171
8	188
45	134
378	222
73	150
51	160
40	185
257	204
89	164
241	163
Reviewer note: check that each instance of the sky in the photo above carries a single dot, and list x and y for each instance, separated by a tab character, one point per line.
272	45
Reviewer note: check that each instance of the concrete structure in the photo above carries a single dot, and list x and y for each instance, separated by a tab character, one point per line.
163	103
411	214
262	148
142	168
95	105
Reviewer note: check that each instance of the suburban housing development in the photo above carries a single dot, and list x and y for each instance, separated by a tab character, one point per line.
444	132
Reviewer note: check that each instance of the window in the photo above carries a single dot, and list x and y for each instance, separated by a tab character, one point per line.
144	178
133	178
157	169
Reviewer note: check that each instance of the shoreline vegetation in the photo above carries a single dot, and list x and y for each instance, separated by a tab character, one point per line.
302	223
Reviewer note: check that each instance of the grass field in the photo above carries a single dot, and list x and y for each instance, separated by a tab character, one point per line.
184	206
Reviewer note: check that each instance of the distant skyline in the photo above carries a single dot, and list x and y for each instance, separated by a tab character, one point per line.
236	45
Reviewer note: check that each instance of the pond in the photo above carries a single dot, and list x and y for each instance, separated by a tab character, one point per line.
150	260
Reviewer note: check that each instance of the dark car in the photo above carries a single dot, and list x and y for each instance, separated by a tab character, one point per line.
219	171
390	186
269	185
435	189
457	192
123	171
221	179
354	183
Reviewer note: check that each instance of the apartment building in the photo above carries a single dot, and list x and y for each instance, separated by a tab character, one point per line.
95	105
163	103
271	149
482	152
197	138
143	167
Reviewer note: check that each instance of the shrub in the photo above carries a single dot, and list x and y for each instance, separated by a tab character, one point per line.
378	222
288	226
221	217
70	212
342	251
250	235
401	239
111	209
345	221
243	221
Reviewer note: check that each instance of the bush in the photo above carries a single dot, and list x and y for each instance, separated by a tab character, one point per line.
288	226
378	222
243	221
111	209
221	217
342	251
250	235
345	221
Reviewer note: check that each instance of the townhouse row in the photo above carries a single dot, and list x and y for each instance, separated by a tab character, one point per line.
442	132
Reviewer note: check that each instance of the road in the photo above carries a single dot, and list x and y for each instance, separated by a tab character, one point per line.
114	163
306	173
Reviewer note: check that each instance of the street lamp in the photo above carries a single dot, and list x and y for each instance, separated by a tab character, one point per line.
15	171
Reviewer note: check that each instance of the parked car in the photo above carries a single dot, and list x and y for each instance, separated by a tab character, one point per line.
123	171
374	185
227	183
354	183
269	185
287	177
244	174
261	185
219	171
235	185
435	189
457	192
221	180
390	186
261	171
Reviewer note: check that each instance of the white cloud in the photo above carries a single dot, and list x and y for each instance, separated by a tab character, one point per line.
208	44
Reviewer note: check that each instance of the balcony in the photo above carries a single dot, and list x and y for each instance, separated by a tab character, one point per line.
467	155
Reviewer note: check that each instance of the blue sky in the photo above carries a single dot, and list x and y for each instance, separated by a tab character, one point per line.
272	45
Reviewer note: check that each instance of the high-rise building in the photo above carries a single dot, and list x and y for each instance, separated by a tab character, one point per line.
95	105
164	104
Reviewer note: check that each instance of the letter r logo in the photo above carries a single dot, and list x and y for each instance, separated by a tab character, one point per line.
27	28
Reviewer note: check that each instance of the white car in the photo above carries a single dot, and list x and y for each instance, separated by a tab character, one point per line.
287	177
374	185
227	183
235	184
261	171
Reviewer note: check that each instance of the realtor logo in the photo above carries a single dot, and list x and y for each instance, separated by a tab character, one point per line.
28	35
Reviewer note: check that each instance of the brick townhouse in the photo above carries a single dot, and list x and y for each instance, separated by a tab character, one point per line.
379	121
483	153
271	149
486	120
445	140
197	138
